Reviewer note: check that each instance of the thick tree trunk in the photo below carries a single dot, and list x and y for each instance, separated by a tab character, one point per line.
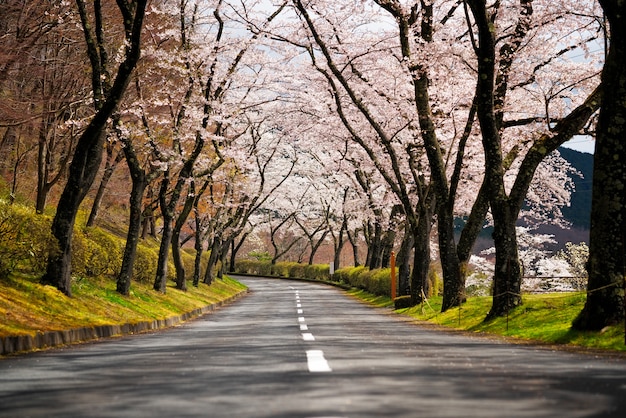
454	281
375	252
181	280
82	173
213	257
134	226
403	262
160	281
421	258
234	250
353	238
507	280
339	243
607	260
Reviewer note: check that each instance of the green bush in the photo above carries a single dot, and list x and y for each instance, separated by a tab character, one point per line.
25	240
144	269
297	271
317	271
96	253
380	282
261	268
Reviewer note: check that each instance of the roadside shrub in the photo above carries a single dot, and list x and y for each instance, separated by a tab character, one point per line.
298	270
380	282
96	253
261	268
288	269
355	276
144	269
25	240
317	271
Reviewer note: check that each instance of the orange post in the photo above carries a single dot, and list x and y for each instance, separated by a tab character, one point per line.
393	275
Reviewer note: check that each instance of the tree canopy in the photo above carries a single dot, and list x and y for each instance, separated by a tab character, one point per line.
287	126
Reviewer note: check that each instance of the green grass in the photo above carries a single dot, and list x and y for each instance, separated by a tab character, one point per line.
27	307
544	319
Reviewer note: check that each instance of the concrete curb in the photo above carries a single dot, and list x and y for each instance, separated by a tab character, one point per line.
42	340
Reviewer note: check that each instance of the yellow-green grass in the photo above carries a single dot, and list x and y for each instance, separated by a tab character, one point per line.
542	318
27	307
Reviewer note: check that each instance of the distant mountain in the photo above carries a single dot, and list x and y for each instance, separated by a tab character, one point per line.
578	213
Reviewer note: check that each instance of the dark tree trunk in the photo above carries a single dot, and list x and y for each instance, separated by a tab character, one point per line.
199	247
421	256
160	281
235	250
213	257
111	165
507	278
353	238
338	244
82	173
454	284
140	182
181	280
376	247
403	262
607	260
222	258
387	247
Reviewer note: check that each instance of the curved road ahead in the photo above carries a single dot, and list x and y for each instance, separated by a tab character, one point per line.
295	349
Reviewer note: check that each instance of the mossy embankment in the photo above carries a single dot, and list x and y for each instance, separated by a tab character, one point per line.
35	316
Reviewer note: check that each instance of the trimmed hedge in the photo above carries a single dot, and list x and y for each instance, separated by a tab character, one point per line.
377	282
291	269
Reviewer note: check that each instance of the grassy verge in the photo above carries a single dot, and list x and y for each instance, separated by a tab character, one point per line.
27	307
544	318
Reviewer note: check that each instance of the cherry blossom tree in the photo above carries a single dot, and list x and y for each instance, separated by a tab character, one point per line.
520	28
108	89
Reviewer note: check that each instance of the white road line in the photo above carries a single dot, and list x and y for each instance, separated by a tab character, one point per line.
300	311
307	336
300	319
317	362
303	327
298	305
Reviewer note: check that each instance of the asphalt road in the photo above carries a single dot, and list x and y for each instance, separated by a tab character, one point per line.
295	349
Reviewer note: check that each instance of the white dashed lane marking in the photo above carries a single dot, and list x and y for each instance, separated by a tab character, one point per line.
315	358
317	362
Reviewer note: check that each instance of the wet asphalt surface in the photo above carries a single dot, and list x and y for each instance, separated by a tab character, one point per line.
296	349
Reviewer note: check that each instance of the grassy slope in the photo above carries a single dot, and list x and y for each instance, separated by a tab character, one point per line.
542	318
27	307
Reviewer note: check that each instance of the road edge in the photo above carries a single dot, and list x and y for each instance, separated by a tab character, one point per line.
20	344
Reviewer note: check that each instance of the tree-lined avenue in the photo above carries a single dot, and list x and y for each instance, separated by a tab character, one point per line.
250	360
